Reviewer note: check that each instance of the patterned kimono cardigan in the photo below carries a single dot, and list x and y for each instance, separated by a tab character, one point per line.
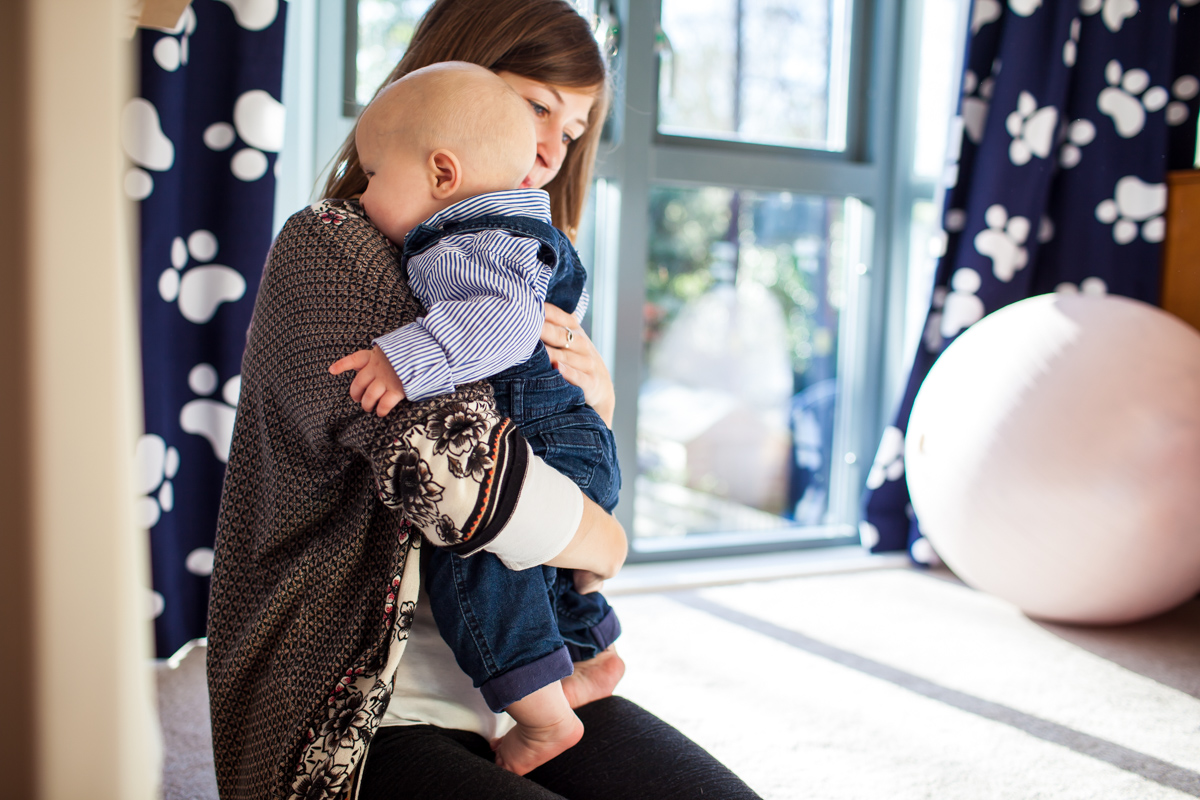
324	510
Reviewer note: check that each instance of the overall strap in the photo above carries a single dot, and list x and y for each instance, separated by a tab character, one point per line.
422	237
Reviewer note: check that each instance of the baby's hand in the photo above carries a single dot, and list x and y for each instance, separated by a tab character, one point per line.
375	386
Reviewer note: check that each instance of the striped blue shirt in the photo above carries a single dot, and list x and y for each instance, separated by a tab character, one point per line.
483	294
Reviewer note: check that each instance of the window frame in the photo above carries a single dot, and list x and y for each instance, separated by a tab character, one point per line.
641	157
874	168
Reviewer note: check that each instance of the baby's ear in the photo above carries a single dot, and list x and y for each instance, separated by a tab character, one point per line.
445	172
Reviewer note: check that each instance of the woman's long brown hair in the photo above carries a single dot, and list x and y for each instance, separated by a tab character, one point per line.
544	40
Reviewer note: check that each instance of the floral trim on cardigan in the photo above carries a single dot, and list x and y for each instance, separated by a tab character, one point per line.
358	700
455	450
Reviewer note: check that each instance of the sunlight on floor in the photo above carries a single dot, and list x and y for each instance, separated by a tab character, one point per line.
840	676
900	685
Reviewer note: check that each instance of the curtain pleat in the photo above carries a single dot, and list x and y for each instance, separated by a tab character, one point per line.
202	137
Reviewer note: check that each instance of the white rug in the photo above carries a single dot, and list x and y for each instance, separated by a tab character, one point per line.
894	683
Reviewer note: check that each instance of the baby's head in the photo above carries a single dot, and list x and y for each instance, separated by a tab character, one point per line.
439	135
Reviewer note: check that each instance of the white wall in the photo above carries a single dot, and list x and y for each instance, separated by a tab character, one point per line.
85	664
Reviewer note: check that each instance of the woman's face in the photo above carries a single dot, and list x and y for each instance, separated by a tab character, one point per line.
561	115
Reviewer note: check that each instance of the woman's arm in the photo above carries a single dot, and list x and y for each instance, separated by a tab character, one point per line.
599	544
451	467
580	363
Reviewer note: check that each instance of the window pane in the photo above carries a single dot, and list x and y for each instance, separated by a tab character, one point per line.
385	28
771	71
736	419
940	43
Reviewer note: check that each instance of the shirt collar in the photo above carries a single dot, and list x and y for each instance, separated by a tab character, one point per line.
513	203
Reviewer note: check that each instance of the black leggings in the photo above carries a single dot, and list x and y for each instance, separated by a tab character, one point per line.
626	753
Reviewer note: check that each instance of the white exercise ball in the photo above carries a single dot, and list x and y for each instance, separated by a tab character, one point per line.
1053	458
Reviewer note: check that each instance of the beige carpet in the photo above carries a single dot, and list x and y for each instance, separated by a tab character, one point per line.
890	683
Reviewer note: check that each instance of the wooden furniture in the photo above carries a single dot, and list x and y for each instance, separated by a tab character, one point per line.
1181	248
160	15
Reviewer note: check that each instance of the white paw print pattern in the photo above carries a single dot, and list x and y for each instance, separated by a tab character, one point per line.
1003	242
1113	12
210	418
1079	134
977	96
1045	230
1135	205
932	335
1024	8
253	15
1184	88
1032	129
922	552
202	289
955	221
171	53
155	465
1071	46
258	119
1092	287
200	561
1128	97
155	604
868	534
146	145
985	12
961	308
889	461
1174	12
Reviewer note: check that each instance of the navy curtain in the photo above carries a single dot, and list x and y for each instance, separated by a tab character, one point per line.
1072	113
203	137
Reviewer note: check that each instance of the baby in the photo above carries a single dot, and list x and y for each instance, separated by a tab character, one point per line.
445	149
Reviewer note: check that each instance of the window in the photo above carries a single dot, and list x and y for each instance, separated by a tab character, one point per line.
746	295
381	31
773	71
742	254
759	228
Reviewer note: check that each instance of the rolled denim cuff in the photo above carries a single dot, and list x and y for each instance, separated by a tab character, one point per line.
607	630
503	690
603	633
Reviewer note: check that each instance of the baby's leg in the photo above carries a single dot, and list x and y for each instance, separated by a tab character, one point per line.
589	626
499	624
546	727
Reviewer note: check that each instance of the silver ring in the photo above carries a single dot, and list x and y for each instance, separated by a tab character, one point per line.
570	338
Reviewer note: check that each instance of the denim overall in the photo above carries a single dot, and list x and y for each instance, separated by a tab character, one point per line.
515	632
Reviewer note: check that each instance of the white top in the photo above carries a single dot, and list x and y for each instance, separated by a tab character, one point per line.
430	689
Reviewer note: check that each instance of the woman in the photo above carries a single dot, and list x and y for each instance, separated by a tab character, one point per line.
316	577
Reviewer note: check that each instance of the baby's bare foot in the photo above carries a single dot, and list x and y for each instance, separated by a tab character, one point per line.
594	678
526	747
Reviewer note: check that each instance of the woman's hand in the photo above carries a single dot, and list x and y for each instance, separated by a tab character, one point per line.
573	354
